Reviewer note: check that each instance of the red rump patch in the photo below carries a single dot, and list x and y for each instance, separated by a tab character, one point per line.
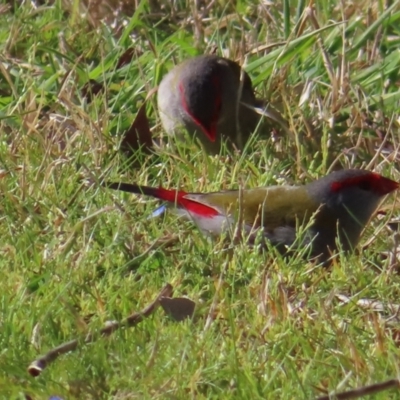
178	197
371	182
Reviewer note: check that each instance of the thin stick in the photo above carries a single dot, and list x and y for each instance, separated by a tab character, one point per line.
363	391
37	366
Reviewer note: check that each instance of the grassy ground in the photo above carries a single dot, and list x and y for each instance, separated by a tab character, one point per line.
74	257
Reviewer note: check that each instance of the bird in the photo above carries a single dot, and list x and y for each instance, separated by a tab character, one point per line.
335	209
211	98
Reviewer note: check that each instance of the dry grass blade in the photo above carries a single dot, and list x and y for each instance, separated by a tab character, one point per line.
325	57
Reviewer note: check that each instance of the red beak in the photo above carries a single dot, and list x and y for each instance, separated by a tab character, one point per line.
207	123
387	186
210	131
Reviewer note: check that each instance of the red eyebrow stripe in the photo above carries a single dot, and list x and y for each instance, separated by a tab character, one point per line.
377	183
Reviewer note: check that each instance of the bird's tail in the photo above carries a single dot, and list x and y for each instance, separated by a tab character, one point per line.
172	196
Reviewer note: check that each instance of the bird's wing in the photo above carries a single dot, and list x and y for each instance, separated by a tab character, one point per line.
266	207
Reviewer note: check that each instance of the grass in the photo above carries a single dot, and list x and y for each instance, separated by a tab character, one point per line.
74	257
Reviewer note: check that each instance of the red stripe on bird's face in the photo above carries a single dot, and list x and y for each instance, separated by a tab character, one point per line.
209	128
178	197
371	182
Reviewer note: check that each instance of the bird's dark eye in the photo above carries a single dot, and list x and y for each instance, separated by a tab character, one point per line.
365	185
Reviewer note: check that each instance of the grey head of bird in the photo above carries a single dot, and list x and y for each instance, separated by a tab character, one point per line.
205	96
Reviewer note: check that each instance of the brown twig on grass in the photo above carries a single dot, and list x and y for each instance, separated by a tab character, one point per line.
363	391
37	366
